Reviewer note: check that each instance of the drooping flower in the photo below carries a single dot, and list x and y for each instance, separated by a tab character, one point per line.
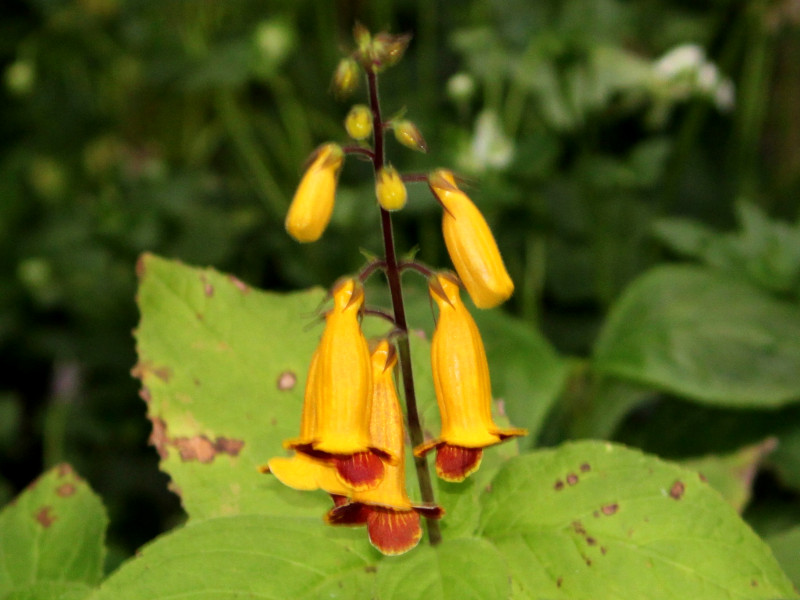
390	189
392	520
304	471
335	426
470	243
312	205
408	134
462	385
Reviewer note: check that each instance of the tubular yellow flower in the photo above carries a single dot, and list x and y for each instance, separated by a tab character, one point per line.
312	205
392	520
343	392
358	122
462	385
471	245
390	189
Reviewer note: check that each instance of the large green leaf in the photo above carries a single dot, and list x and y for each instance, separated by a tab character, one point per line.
701	334
598	521
446	572
247	556
223	367
51	539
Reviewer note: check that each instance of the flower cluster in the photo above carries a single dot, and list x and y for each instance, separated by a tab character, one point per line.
352	433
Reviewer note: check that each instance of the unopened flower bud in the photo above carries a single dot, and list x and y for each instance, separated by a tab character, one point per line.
312	205
407	134
359	122
470	243
388	49
345	78
390	189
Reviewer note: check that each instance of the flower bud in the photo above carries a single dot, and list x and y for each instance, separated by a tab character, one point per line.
470	243
463	388
390	189
359	122
388	49
312	205
407	134
345	78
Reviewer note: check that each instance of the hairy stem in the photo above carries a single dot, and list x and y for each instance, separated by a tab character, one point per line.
392	269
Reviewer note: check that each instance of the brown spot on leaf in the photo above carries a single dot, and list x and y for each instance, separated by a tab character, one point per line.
228	446
590	540
587	560
141	268
572	479
577	526
585	468
754	583
610	509
240	285
64	469
596	513
199	316
559	581
703	478
144	394
208	289
559	485
287	380
370	569
144	368
603	550
197	447
158	437
677	490
65	489
45	517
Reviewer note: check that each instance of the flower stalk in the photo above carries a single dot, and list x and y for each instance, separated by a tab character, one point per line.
392	270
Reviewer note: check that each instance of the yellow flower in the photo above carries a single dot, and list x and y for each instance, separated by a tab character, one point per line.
345	78
471	245
392	520
312	205
343	392
304	471
390	189
462	385
358	122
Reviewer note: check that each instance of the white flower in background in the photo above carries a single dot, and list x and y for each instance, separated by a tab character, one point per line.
685	71
461	87
490	148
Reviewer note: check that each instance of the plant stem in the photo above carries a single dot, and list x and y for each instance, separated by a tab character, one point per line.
403	348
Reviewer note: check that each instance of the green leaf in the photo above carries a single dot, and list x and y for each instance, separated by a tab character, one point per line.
51	538
593	520
51	590
703	335
223	368
786	546
250	556
732	475
446	572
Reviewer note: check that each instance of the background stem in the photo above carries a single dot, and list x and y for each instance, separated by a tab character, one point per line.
403	348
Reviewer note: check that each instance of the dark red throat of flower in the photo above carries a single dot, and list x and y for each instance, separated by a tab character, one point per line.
455	463
361	471
393	531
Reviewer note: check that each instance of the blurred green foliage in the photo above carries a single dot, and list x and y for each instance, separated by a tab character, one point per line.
180	127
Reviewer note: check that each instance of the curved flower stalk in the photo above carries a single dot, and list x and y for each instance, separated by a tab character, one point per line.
392	520
312	205
462	385
470	243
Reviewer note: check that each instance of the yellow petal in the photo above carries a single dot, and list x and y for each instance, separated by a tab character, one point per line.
471	245
343	379
312	205
460	375
358	122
